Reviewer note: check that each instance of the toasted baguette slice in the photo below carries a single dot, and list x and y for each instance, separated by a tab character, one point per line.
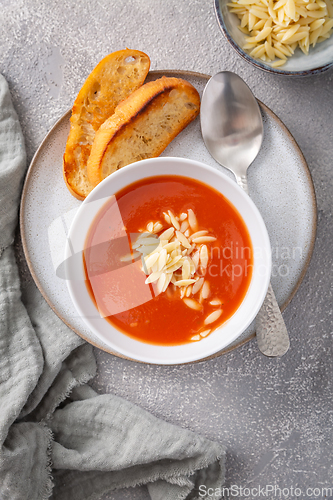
113	79
142	125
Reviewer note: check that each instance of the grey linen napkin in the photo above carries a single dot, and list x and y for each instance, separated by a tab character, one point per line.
58	437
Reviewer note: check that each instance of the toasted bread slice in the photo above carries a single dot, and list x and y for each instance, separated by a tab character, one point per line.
113	79
142	125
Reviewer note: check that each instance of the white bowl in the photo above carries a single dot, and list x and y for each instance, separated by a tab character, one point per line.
319	59
223	336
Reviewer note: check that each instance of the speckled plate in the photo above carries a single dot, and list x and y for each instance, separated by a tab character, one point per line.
279	183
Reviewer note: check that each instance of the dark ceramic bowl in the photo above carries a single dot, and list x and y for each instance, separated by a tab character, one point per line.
320	57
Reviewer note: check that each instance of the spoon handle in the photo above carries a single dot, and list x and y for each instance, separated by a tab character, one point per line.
242	182
271	331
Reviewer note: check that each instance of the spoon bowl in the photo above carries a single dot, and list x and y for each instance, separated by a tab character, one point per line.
231	123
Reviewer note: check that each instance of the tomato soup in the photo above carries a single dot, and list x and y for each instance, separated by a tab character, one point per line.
197	283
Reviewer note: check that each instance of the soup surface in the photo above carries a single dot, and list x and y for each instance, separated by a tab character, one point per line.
189	303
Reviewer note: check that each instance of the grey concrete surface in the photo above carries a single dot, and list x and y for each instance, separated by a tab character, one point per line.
275	416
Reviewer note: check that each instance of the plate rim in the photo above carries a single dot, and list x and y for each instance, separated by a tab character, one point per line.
65	116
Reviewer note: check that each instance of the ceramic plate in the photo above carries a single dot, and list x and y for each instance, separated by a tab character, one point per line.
280	184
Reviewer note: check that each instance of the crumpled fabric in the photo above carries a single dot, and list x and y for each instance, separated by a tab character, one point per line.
58	437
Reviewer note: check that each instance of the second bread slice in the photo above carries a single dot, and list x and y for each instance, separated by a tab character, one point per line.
142	125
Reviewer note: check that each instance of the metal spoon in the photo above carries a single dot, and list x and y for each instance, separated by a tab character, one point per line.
232	130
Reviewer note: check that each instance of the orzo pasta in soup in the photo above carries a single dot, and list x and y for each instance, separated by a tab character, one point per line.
185	245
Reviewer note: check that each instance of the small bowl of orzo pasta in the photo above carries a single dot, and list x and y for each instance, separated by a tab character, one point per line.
288	37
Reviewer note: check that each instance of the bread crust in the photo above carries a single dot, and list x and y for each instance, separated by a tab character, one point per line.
112	80
142	125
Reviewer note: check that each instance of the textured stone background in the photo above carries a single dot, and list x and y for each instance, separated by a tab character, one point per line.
275	416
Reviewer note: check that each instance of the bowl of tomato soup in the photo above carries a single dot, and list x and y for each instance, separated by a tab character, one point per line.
172	261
